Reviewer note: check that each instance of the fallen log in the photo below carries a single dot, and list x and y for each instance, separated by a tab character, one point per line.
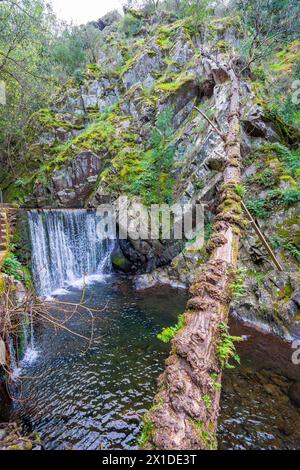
186	407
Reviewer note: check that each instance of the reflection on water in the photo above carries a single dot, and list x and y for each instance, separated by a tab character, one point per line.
256	409
94	398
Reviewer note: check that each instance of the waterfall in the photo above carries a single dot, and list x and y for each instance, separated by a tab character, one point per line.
31	352
27	352
66	249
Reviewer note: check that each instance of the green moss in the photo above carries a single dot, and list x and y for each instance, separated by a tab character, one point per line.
285	293
223	46
2	284
222	24
174	83
45	120
95	72
120	262
165	35
147	432
135	13
145	173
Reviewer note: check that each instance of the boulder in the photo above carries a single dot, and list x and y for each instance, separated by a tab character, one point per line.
143	71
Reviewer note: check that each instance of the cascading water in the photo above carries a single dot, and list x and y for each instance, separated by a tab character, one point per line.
27	352
66	249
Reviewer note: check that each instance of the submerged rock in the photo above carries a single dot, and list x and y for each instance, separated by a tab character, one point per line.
294	394
13	438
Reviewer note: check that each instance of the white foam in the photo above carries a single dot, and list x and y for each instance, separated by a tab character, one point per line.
30	356
85	281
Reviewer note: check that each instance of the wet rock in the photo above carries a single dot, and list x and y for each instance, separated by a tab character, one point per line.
71	185
144	281
13	438
119	261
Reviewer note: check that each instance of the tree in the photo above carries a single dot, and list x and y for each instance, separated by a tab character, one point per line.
25	41
37	55
269	23
187	404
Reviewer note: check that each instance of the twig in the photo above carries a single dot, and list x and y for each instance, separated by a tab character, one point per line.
220	133
59	325
262	237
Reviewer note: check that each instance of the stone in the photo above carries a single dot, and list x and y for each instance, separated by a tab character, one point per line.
296	297
256	125
181	53
119	260
142	71
144	281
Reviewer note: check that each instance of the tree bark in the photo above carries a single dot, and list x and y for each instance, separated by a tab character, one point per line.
186	406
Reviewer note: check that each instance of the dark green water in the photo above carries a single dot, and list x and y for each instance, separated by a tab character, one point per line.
93	398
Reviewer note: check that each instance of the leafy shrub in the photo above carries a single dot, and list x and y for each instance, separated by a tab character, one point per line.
275	199
147	430
266	178
13	267
130	24
257	207
290	196
207	401
240	190
279	242
290	158
154	184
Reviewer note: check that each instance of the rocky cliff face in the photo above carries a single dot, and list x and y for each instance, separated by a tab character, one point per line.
99	141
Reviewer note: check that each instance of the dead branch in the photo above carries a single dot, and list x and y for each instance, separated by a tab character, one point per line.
220	133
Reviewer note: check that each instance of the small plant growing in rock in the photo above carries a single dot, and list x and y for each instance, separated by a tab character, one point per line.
237	286
240	190
209	438
226	349
207	401
216	385
147	430
168	333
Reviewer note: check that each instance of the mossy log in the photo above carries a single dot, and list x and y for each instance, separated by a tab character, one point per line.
186	406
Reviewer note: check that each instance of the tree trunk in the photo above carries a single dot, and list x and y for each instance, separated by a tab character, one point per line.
187	404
